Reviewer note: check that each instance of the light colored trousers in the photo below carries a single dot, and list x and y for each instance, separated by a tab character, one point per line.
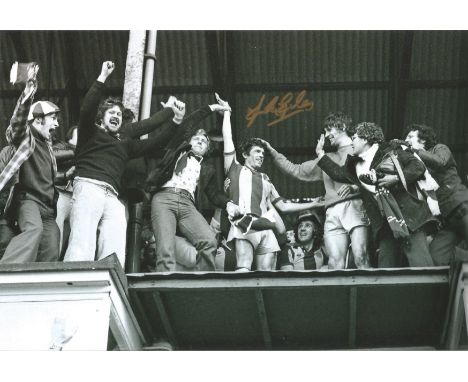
96	208
64	205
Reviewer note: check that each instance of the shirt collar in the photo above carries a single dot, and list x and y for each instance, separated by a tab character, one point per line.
370	153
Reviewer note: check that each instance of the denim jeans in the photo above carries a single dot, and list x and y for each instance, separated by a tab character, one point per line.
39	234
95	207
171	211
416	250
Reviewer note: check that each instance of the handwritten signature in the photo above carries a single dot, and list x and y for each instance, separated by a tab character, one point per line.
283	108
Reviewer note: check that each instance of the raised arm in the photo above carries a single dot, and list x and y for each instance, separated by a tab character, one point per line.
160	138
338	173
15	132
307	171
157	120
229	149
89	107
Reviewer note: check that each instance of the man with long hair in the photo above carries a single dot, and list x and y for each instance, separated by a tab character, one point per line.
101	155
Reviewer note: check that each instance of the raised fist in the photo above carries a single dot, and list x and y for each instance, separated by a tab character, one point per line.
107	68
179	111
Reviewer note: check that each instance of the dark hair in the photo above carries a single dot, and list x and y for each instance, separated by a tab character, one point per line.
127	116
107	104
247	145
425	133
338	120
69	133
369	131
317	232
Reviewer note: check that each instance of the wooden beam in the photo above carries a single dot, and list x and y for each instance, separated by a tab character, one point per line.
142	316
436	84
352	317
163	282
263	319
164	318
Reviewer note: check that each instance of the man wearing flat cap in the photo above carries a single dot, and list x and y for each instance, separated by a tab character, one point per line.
307	252
33	198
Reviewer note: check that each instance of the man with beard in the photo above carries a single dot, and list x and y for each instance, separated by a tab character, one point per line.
346	220
101	156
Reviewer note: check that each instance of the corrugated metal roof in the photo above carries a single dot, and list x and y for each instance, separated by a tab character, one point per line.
268	57
443	109
303	129
182	59
307	56
439	55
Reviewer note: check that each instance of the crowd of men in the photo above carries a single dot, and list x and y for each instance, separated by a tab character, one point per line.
386	203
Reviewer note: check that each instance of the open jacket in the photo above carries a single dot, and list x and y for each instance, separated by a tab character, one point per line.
415	212
164	170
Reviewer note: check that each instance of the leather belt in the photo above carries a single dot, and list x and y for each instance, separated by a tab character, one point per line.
179	191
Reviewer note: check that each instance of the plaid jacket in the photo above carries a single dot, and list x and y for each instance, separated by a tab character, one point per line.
19	135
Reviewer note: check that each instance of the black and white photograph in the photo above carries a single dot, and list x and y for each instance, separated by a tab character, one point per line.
233	189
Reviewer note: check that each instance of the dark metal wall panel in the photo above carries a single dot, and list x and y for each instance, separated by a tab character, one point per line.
182	59
7	57
94	47
443	109
303	129
439	55
44	47
307	56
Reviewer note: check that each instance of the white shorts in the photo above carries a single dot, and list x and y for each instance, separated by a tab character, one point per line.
343	217
263	242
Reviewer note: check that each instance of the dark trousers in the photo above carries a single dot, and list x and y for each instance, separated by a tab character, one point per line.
443	246
39	235
415	249
171	211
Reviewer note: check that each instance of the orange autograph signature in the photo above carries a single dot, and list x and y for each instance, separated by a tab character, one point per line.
282	109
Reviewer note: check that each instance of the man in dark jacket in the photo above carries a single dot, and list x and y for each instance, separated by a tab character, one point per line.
33	166
176	185
411	214
6	231
452	194
101	156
